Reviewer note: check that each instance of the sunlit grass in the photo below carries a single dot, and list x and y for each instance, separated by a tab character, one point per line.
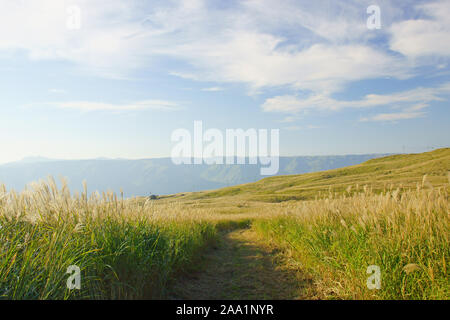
331	225
337	238
125	249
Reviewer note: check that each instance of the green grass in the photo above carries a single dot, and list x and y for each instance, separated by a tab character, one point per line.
121	256
337	239
333	224
118	260
403	171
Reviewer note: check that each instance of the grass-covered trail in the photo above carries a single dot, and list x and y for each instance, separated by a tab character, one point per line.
241	266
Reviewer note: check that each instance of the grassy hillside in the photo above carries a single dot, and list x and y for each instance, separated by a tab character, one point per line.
124	249
403	171
158	176
330	226
338	238
390	212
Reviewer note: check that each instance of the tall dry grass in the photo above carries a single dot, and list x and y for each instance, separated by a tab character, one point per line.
133	248
125	248
405	233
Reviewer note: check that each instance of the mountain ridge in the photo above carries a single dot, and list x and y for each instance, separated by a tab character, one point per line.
399	171
159	175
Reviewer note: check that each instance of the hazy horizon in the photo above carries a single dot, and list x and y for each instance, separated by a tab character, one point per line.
44	158
160	175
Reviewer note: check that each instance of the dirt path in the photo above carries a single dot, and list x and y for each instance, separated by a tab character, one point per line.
241	267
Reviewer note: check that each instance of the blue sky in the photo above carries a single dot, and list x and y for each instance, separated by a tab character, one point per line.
134	71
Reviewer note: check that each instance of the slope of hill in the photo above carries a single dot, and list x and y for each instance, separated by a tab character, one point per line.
332	227
158	176
241	242
404	170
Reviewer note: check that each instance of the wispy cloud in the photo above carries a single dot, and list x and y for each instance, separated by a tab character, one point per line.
101	46
213	89
299	128
327	50
289	119
258	60
426	36
393	116
309	49
88	106
410	101
411	112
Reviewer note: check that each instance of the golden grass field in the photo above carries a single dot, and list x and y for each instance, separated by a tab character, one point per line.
321	229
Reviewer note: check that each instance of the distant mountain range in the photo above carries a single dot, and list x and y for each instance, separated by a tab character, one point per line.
158	176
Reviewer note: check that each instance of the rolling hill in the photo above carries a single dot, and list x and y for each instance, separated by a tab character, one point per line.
405	170
158	176
251	241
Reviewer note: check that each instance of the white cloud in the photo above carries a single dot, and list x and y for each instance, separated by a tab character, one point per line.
244	43
269	44
411	102
427	36
260	43
254	59
394	116
101	46
299	128
87	106
333	21
289	119
213	89
410	112
417	97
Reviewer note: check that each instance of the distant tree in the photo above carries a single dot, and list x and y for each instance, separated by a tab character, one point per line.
153	197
